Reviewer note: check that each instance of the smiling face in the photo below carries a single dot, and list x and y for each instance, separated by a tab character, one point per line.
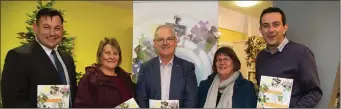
49	31
224	65
225	62
272	29
165	42
110	57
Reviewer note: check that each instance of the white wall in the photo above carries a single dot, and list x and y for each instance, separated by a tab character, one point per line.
237	21
316	24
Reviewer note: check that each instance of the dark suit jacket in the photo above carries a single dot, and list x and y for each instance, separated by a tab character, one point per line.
183	86
244	93
26	67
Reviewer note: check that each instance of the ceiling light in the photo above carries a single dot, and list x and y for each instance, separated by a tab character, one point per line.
246	3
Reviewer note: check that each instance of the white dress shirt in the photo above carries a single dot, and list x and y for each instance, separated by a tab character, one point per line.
48	52
166	73
280	47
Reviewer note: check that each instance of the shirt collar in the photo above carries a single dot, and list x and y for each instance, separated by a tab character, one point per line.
170	62
281	46
47	50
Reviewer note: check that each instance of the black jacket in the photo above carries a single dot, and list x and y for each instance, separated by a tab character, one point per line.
244	94
26	67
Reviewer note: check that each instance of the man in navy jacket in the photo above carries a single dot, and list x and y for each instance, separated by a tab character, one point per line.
287	59
167	77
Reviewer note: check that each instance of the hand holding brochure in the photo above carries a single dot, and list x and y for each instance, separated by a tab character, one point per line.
163	103
131	103
274	92
53	96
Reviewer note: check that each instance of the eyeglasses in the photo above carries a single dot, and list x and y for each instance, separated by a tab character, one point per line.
224	60
162	40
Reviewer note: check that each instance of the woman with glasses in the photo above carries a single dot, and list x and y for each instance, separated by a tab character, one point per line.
226	87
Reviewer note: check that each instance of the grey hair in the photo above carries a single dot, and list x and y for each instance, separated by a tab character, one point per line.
164	26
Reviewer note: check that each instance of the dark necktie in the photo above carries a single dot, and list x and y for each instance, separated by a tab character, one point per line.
60	70
59	67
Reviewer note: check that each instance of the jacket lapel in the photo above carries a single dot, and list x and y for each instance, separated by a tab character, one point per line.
43	59
238	81
126	78
176	78
157	76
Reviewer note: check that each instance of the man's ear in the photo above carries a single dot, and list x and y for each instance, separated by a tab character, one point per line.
260	30
35	27
285	28
155	47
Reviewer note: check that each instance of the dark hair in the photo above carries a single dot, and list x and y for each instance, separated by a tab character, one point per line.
112	42
273	10
48	12
227	51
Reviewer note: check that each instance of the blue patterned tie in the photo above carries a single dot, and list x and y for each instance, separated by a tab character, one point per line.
59	67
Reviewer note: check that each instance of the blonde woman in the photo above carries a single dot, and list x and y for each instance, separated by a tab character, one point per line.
105	84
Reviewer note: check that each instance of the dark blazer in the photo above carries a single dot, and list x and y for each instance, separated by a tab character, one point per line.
183	86
244	94
96	90
26	67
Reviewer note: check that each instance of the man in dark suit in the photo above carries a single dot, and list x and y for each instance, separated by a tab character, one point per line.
37	63
167	77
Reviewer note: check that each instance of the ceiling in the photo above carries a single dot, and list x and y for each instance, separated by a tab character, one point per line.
254	11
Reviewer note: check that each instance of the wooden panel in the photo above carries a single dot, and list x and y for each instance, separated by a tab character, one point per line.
336	88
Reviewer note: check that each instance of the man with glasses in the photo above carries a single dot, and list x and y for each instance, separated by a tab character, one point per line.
166	77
